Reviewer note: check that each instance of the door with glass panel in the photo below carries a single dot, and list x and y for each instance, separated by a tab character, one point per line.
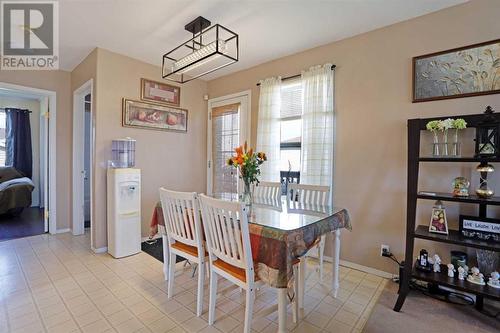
228	127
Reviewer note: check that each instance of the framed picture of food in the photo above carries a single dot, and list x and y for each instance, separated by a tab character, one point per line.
160	92
153	116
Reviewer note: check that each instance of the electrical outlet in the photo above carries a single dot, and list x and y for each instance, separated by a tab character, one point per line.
384	249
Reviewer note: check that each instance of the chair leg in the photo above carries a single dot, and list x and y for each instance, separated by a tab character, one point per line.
171	274
165	256
249	309
295	305
321	253
213	297
201	280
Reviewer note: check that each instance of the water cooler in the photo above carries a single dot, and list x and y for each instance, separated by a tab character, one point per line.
124	200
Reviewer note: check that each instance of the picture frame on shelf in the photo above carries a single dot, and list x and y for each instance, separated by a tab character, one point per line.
438	223
482	228
140	114
159	92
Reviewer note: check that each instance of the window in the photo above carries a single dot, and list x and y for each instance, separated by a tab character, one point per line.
291	125
2	138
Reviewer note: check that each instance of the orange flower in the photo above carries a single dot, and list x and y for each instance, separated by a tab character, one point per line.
239	159
239	151
250	152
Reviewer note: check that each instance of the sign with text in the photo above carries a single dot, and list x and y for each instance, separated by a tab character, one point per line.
29	35
480	227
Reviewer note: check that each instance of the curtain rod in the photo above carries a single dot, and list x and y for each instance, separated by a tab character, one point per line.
3	109
294	76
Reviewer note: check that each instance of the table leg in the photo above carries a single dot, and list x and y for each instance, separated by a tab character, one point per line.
302	281
282	304
165	255
336	262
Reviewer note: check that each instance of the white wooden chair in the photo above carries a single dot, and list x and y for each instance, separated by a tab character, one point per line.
185	236
230	253
311	196
268	191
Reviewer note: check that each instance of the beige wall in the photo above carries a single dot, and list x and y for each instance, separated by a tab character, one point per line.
34	106
58	81
171	159
373	102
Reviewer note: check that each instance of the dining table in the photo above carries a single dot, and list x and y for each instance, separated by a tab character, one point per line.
281	233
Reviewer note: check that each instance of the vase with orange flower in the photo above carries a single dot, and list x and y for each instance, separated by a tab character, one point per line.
248	163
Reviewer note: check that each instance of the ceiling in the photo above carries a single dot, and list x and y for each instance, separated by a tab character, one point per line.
268	29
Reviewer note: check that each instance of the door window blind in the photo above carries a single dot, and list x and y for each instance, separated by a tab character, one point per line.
225	137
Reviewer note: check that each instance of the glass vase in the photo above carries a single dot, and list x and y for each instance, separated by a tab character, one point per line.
444	151
487	261
435	145
246	196
455	146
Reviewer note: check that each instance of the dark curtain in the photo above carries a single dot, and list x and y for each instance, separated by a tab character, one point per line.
18	148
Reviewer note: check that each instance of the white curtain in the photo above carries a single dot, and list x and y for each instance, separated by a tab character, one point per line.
268	127
317	126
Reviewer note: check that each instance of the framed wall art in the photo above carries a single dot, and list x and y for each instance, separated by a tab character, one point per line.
462	72
147	115
160	92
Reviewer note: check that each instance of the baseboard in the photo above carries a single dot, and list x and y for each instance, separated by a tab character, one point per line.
62	231
100	250
366	269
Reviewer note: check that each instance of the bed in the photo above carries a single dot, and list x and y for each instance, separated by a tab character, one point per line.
15	191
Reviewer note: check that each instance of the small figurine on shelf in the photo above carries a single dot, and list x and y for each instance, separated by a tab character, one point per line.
493	281
461	187
476	277
451	270
461	273
436	262
423	262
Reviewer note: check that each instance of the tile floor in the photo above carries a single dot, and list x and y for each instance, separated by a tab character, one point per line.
56	284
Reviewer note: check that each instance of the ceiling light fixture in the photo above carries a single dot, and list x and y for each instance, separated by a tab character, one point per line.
211	48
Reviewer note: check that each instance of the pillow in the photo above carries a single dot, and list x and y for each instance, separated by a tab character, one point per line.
8	173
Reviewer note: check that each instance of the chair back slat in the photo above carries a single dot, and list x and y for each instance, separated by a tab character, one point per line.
308	194
267	191
227	234
182	217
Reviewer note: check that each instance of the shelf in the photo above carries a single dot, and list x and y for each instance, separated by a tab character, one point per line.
494	201
464	285
459	159
454	237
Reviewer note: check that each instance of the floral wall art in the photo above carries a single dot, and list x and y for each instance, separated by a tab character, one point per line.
468	71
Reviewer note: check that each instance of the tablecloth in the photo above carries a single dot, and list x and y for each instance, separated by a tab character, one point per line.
274	250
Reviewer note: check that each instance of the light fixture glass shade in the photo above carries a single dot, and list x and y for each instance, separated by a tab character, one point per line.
212	49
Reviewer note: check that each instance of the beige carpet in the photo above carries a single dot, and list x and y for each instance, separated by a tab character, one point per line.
424	314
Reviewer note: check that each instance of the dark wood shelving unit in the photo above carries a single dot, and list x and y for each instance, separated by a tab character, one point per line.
415	127
462	285
458	159
454	237
474	199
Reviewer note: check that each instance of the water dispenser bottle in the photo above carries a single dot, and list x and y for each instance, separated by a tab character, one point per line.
123	153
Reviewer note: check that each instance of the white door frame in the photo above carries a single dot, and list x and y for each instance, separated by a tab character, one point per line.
78	157
51	208
245	98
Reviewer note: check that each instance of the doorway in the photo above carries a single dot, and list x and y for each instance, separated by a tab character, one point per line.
83	148
228	127
28	183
